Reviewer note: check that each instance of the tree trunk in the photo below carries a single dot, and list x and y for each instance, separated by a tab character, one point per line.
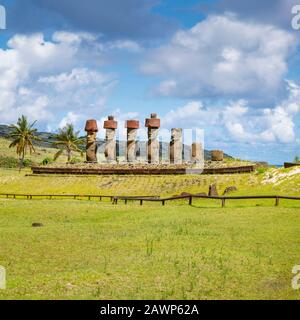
69	155
21	161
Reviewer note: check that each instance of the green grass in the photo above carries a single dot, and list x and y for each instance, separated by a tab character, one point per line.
92	250
164	185
13	181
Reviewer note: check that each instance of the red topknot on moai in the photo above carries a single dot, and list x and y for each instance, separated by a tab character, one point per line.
110	146
153	125
91	145
132	128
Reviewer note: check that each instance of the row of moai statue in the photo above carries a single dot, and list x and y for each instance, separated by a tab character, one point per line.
153	146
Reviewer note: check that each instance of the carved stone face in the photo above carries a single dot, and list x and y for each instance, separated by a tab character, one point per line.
176	134
110	134
91	136
91	148
131	134
196	151
152	134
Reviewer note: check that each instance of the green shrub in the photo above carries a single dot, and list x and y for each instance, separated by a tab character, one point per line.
47	161
10	162
261	170
27	163
75	160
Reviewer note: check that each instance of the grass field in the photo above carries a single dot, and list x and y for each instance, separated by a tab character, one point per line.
96	250
91	250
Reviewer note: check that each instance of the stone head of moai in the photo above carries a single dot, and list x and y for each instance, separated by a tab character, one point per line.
91	128
132	127
176	146
217	155
153	125
110	142
197	152
176	134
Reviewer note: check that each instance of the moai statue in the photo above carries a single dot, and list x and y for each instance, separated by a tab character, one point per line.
110	143
132	128
91	144
217	155
153	125
197	152
176	146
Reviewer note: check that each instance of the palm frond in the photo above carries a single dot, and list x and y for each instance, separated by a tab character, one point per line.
68	139
23	134
14	143
58	154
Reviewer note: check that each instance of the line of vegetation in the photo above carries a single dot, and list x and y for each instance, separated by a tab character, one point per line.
24	134
13	163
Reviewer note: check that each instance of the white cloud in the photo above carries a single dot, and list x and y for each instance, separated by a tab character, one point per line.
222	56
38	108
167	87
279	122
237	122
70	37
70	118
193	114
46	79
128	45
77	78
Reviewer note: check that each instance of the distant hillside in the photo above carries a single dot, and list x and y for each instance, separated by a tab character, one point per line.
48	138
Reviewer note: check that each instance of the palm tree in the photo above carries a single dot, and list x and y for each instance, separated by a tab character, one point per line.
23	135
67	139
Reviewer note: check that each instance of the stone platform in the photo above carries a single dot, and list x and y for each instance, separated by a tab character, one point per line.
97	169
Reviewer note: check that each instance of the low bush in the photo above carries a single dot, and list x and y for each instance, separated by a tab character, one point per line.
10	162
75	160
261	170
47	161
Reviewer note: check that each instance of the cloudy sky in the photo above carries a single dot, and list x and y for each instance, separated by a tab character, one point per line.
229	67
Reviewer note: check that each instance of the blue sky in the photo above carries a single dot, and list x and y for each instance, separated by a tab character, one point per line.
229	67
